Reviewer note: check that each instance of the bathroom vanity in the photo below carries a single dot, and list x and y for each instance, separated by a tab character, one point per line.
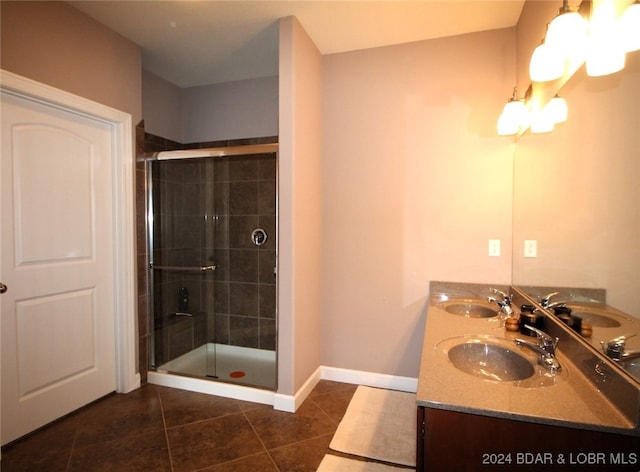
488	402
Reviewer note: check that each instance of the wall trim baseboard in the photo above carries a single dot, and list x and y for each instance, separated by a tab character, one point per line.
370	379
291	403
280	402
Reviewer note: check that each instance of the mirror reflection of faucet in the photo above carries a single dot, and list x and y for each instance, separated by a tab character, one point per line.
545	300
616	348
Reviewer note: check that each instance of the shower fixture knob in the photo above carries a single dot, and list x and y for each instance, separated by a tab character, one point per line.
259	236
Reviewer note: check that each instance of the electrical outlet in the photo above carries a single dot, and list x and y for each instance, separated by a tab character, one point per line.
530	248
494	247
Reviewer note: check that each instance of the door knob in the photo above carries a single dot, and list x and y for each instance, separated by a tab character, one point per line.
3	288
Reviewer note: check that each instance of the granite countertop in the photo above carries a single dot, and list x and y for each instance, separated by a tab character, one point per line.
567	399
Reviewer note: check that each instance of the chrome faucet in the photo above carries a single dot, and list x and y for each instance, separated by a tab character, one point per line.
545	348
545	301
504	304
616	348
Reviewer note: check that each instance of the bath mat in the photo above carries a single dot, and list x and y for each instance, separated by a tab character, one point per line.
341	464
379	424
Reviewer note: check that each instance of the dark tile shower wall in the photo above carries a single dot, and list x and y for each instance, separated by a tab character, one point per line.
245	287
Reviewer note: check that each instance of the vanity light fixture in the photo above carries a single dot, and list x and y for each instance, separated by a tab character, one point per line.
630	27
513	117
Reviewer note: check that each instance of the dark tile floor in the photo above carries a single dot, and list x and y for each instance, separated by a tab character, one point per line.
163	429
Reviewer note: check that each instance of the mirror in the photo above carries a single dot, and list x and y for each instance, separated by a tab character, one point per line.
577	194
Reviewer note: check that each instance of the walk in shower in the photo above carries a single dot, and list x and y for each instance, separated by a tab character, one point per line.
212	236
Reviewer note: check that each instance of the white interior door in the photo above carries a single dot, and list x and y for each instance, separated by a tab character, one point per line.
57	315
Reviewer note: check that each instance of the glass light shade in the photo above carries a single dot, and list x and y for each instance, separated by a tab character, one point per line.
542	121
507	126
516	111
557	109
604	57
546	64
567	31
605	52
513	118
630	28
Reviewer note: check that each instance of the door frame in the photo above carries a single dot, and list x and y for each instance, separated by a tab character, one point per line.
124	276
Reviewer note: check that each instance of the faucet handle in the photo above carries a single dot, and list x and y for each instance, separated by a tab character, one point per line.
506	297
505	306
545	340
614	348
624	337
497	292
544	300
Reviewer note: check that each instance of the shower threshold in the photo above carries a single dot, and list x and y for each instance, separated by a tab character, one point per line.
235	364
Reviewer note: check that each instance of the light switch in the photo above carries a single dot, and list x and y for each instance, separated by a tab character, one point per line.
494	247
530	248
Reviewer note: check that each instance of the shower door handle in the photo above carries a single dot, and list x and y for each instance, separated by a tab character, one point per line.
3	287
209	268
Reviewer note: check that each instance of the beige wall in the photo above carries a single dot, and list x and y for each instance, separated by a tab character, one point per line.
416	182
55	44
300	189
229	110
161	107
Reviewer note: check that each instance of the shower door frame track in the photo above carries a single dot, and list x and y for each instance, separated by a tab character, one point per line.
246	150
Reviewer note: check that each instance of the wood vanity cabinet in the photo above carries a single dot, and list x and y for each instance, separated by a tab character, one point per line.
450	440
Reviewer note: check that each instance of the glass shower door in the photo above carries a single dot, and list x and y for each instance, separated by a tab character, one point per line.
183	267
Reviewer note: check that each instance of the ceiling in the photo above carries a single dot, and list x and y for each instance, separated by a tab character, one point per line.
191	43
